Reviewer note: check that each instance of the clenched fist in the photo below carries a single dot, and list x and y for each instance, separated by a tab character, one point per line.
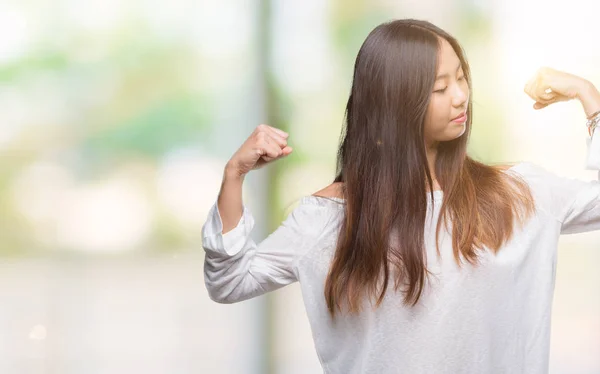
264	145
549	86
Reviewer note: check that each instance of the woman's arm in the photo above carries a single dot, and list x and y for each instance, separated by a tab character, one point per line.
575	203
549	86
264	145
230	198
589	96
235	267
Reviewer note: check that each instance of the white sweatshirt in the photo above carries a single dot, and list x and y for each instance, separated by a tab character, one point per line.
494	318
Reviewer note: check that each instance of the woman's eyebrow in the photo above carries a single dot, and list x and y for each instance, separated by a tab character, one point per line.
446	75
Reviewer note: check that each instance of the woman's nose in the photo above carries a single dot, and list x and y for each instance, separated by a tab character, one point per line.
460	96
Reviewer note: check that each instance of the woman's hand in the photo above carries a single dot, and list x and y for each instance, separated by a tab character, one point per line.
549	86
264	145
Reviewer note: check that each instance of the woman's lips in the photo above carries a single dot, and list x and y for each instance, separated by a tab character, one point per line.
460	119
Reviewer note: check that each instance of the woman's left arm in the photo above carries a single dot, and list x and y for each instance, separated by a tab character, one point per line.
577	202
589	96
549	86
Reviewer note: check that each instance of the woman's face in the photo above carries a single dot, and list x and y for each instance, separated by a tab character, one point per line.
449	99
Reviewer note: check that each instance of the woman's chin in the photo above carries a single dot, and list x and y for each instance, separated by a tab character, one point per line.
463	128
453	132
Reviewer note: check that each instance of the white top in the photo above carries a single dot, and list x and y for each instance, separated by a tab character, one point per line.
494	318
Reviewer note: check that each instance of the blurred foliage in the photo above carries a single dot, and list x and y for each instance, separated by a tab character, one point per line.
152	130
130	95
350	25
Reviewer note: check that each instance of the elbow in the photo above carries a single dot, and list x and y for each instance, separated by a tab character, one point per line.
219	297
221	294
218	290
223	289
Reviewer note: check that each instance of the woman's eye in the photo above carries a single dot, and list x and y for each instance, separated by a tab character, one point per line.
442	90
461	78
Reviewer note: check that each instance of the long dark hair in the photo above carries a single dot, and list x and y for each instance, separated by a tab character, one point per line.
384	174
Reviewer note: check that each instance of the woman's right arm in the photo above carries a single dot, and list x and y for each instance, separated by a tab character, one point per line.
230	198
235	267
264	145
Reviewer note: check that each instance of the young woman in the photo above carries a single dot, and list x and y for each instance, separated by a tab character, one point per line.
417	259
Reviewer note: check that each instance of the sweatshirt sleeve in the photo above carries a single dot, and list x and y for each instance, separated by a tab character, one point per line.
581	212
236	268
573	202
583	209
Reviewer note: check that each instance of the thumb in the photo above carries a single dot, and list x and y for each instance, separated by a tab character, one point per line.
538	105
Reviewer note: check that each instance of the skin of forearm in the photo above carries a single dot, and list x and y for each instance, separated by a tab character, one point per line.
589	97
229	201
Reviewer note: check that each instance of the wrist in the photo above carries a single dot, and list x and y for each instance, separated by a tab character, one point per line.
232	173
589	97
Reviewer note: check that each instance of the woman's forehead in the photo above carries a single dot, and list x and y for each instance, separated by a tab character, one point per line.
448	61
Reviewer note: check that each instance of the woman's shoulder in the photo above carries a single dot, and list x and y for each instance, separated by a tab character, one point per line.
330	196
532	171
521	168
312	210
509	166
554	192
334	190
537	177
316	217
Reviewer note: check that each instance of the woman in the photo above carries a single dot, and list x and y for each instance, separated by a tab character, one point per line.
417	259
